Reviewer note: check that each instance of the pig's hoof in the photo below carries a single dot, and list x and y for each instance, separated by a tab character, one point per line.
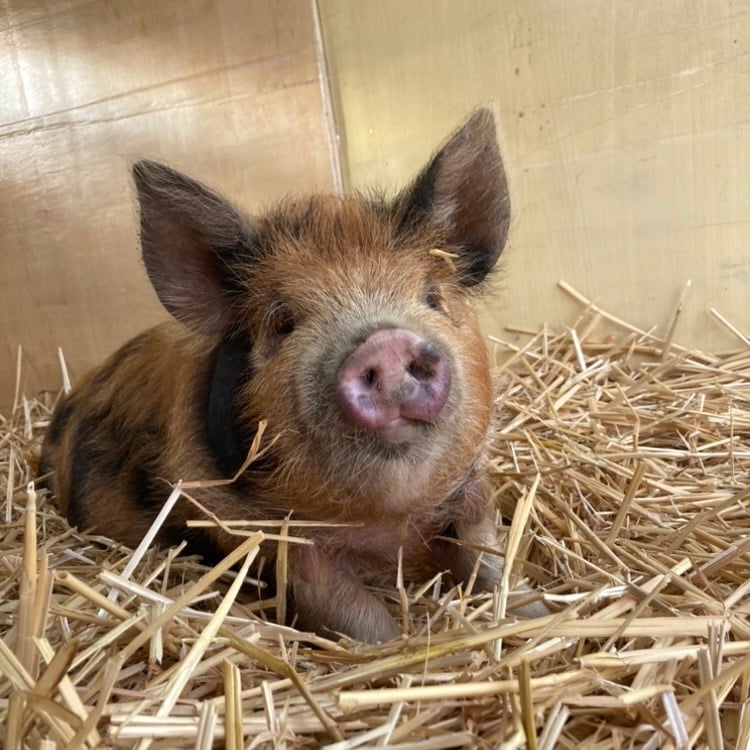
528	610
378	628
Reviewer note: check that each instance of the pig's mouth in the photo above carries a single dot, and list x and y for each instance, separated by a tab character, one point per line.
388	451
393	441
396	441
397	431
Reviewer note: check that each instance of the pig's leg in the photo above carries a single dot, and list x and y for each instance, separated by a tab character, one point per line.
473	527
462	559
461	556
329	598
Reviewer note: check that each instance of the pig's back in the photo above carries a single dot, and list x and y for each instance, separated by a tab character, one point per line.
111	443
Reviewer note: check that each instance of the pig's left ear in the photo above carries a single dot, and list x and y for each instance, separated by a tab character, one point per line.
190	238
463	192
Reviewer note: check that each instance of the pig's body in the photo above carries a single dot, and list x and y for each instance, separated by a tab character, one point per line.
336	322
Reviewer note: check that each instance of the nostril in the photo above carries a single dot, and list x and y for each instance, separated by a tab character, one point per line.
421	370
370	376
424	366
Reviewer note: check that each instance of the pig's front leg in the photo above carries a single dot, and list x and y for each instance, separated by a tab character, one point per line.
473	528
475	538
460	557
481	538
329	598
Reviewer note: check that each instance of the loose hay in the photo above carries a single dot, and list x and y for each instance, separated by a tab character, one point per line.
627	468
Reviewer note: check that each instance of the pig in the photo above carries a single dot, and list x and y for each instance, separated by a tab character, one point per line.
347	325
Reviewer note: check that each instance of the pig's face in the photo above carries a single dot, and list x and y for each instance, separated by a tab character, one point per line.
343	322
346	324
366	353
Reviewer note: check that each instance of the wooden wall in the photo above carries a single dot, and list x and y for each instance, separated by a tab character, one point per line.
229	91
625	132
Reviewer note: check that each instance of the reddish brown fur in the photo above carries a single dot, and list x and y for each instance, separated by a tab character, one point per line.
334	269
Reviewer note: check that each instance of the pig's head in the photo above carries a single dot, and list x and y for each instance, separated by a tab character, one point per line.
344	322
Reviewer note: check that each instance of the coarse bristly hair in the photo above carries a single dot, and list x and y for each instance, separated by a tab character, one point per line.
272	316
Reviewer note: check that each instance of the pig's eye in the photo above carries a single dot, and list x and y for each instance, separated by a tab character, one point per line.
434	300
283	323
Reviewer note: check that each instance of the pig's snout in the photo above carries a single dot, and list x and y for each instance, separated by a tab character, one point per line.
393	379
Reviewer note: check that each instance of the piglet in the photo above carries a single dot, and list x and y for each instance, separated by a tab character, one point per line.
346	323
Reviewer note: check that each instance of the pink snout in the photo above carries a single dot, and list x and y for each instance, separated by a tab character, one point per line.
392	380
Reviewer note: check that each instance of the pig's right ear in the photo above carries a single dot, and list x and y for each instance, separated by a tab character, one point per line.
189	235
463	193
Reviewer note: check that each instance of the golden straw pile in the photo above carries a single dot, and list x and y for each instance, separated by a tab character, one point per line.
624	465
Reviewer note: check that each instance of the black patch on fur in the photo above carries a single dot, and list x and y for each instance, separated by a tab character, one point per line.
142	486
112	453
449	530
60	419
126	448
83	464
227	436
148	490
198	543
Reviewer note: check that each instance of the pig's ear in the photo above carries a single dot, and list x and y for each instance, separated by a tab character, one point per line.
189	235
463	191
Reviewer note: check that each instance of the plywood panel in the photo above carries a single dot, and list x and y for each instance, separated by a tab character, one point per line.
624	132
228	91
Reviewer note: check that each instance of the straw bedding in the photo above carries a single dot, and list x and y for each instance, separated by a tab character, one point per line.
623	462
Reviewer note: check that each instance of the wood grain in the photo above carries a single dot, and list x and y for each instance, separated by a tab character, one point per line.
227	91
